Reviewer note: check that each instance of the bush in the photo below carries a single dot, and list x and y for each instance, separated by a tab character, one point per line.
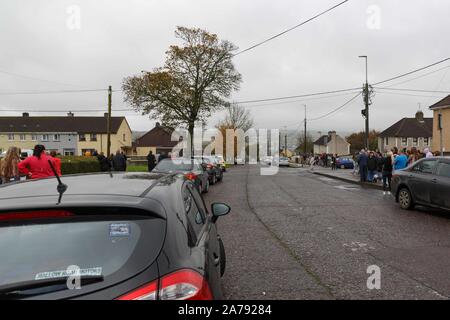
73	165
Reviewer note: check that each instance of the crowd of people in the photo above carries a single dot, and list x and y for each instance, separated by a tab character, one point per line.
39	165
116	162
373	166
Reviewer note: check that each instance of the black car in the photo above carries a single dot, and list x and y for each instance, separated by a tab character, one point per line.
426	182
127	236
191	168
213	167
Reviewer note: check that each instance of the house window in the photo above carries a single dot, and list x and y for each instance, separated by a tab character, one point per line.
81	137
426	141
69	152
56	137
22	137
415	140
45	137
124	137
93	137
33	137
404	142
10	136
386	141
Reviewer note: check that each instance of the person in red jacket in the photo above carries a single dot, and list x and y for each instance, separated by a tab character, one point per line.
37	166
57	162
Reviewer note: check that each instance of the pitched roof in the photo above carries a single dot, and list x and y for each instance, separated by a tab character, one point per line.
159	136
59	124
444	103
410	127
323	140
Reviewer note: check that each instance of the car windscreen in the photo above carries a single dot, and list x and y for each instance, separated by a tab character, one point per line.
176	165
45	246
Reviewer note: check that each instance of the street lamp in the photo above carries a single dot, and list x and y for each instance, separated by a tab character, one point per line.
366	102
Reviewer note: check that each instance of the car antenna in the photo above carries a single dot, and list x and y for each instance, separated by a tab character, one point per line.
61	188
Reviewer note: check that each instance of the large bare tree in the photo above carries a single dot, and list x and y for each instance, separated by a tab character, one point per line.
195	81
237	117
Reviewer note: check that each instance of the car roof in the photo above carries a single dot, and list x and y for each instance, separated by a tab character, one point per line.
100	188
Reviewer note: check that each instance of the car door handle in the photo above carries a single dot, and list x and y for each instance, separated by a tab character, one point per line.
216	260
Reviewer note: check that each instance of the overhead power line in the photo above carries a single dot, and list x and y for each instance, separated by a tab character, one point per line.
336	109
296	96
51	92
37	79
290	29
411	72
411	90
419	77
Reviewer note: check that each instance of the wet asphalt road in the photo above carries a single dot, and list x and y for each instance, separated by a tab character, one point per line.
296	235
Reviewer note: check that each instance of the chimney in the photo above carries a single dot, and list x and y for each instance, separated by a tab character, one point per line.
158	124
419	116
70	114
25	114
106	114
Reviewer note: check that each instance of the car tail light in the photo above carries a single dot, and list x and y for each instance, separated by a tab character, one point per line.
209	166
181	285
191	176
40	214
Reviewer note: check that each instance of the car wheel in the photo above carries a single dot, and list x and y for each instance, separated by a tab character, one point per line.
214	179
220	177
223	258
405	199
206	189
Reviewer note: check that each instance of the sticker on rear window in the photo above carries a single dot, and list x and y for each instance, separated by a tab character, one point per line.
97	271
119	230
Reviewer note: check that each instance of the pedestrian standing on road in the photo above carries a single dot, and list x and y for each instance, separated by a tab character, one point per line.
362	162
401	161
9	166
57	162
105	165
312	161
333	161
119	162
387	172
37	166
151	161
428	153
372	165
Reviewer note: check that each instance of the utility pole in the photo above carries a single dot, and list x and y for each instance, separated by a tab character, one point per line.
304	141
108	123
366	102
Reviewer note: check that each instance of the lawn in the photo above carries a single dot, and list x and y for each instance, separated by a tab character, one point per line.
137	169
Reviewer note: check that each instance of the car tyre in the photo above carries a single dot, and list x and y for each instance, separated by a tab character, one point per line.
214	179
405	199
220	177
223	258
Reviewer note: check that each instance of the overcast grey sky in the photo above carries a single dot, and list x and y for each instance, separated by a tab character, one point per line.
117	38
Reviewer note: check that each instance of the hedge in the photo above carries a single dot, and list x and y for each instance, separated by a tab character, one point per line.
73	165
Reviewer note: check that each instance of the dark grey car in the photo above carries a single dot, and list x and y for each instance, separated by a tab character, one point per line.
426	182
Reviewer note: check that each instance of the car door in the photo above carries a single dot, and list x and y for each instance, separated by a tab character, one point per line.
440	195
211	246
206	248
420	180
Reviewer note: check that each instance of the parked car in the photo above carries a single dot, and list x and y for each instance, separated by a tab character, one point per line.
24	153
222	162
125	236
213	168
344	163
426	182
283	162
191	168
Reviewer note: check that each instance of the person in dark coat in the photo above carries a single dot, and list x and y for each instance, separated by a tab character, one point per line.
119	162
105	165
151	161
372	166
362	162
387	172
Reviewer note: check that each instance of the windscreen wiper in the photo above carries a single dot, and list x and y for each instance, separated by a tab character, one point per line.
36	287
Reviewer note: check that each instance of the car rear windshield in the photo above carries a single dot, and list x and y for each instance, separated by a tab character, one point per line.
177	165
43	245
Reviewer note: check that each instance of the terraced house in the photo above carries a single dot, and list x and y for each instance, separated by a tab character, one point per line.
67	135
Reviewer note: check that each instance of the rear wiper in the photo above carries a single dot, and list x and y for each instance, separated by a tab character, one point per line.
35	287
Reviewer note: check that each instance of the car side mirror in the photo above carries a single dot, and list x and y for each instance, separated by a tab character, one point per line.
219	209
